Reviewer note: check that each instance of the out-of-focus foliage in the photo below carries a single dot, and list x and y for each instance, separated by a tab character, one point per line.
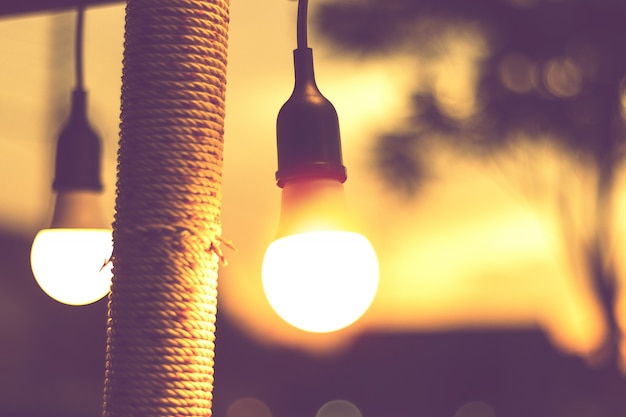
497	78
492	71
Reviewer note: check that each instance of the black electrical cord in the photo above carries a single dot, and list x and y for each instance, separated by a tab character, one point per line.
77	165
307	129
78	47
301	29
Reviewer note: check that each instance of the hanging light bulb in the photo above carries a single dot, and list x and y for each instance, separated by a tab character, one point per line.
319	274
70	260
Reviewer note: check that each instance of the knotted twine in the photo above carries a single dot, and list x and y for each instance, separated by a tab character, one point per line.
166	232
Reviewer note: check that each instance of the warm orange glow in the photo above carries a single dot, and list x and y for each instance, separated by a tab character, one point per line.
318	275
454	74
72	265
313	205
320	281
478	248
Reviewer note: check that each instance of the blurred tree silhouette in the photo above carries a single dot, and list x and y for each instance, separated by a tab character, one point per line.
495	75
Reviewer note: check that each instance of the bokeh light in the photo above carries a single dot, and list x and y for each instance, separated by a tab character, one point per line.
475	409
517	73
339	408
562	77
248	407
320	281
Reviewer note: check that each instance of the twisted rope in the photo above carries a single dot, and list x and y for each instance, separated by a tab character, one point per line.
161	320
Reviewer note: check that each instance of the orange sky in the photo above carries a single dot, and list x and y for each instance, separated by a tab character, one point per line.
470	251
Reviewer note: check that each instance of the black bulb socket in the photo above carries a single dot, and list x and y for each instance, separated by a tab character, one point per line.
308	139
77	165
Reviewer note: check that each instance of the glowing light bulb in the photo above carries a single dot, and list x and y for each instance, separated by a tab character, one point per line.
71	265
320	281
318	275
70	260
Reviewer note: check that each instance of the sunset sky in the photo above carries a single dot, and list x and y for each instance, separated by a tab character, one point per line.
470	250
473	249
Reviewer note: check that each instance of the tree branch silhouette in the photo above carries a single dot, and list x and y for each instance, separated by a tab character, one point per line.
551	71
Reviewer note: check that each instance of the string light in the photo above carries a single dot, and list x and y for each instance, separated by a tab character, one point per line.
319	274
70	260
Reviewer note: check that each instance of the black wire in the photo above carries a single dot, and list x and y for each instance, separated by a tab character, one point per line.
78	51
302	24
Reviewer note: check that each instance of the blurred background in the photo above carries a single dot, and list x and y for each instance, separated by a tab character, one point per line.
484	144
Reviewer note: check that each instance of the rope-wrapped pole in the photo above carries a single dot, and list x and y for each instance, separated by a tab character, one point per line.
162	307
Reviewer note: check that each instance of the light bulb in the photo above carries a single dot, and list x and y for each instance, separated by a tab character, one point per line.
71	265
70	260
318	275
